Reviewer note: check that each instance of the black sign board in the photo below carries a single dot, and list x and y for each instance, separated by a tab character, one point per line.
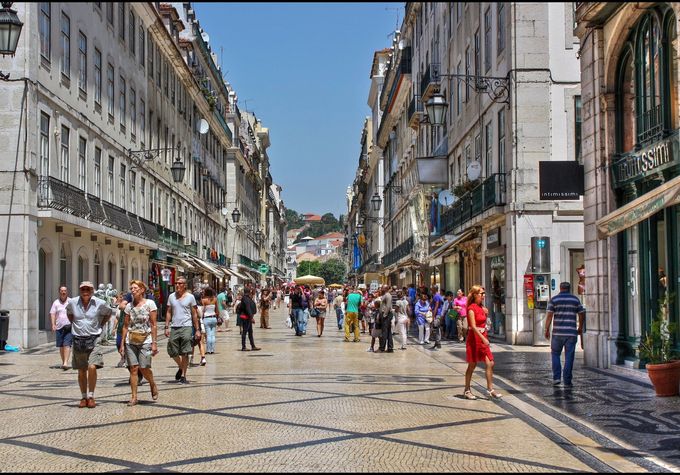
560	180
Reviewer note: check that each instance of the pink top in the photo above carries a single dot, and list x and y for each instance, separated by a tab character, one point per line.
462	302
59	309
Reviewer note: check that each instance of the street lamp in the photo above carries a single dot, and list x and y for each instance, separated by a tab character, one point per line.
436	108
178	168
376	201
10	30
236	216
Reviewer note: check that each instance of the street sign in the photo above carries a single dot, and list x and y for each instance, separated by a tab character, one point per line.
264	268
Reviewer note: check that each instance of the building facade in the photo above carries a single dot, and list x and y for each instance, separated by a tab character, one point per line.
114	98
629	71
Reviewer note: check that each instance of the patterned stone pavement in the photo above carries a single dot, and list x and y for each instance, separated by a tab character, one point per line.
303	404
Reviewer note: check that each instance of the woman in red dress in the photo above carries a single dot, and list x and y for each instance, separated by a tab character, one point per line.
477	343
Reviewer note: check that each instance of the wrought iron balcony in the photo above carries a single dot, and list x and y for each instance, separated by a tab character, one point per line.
429	84
399	252
490	193
55	194
650	125
404	67
415	112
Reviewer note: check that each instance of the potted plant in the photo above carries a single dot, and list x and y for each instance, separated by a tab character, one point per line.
663	362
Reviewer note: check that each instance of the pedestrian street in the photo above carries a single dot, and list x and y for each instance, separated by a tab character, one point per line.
305	404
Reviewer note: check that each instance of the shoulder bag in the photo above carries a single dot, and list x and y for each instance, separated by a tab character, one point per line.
137	338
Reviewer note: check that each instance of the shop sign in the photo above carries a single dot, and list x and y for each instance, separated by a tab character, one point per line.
561	180
529	290
493	238
634	166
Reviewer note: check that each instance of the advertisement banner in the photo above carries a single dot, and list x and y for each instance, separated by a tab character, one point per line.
529	290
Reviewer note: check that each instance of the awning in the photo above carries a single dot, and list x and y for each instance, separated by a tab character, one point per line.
239	275
210	268
437	256
183	263
640	209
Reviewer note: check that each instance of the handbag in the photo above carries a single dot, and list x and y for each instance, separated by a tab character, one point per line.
436	322
137	338
376	333
315	313
220	320
84	343
428	316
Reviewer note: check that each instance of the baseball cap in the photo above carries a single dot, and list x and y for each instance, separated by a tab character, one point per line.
86	283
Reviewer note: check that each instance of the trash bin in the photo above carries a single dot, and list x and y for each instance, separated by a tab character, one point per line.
4	328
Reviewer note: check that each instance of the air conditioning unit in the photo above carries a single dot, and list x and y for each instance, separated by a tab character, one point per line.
187	241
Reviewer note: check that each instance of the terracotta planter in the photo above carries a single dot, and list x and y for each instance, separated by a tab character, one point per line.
665	378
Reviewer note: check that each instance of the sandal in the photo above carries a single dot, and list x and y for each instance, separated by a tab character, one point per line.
154	392
493	394
132	402
468	395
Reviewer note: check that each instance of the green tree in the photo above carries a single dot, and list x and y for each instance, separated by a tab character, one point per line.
333	271
294	220
308	268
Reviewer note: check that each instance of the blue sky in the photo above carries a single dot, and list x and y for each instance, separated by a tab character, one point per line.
303	69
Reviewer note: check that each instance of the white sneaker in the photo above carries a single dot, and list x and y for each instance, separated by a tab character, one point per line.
427	342
370	350
421	342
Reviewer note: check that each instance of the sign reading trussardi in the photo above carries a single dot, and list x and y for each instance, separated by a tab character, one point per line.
634	166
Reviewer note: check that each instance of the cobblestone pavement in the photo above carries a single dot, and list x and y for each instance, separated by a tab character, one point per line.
303	404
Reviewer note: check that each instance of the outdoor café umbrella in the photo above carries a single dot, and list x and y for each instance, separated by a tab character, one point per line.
335	286
309	280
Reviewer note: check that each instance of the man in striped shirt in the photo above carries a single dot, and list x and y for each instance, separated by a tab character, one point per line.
562	311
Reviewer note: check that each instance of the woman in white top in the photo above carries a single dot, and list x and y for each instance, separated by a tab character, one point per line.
209	303
139	338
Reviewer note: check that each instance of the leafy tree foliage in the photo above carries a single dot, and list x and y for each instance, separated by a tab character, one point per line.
333	271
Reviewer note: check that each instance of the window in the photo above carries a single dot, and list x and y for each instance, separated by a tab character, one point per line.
110	89
44	144
142	46
142	191
133	192
82	61
478	148
97	76
467	73
132	36
82	164
64	162
152	194
500	21
123	171
97	268
158	67
149	42
121	21
166	77
46	30
577	129
109	13
501	141
487	39
459	91
98	172
477	53
122	102
468	155
133	111
65	44
488	154
142	120
112	187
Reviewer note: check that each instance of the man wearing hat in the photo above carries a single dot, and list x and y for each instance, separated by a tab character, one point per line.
562	311
88	315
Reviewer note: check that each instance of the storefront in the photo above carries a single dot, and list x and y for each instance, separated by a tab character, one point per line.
642	228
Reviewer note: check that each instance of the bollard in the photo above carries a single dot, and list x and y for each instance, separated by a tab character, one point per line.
4	328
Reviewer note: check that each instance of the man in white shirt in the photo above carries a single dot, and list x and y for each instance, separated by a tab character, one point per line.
61	326
182	309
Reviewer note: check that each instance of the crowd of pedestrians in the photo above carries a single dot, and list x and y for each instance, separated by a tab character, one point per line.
193	318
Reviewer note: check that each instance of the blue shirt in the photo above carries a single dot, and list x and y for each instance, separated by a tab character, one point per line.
565	307
436	298
420	311
411	295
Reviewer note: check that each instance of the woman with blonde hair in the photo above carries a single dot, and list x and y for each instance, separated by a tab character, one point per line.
139	338
477	343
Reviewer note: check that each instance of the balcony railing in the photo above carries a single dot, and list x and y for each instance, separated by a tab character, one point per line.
404	67
415	112
650	124
430	81
55	194
370	265
489	193
399	252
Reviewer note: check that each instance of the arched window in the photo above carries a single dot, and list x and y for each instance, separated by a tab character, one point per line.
123	275
112	271
97	269
81	269
646	81
63	266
